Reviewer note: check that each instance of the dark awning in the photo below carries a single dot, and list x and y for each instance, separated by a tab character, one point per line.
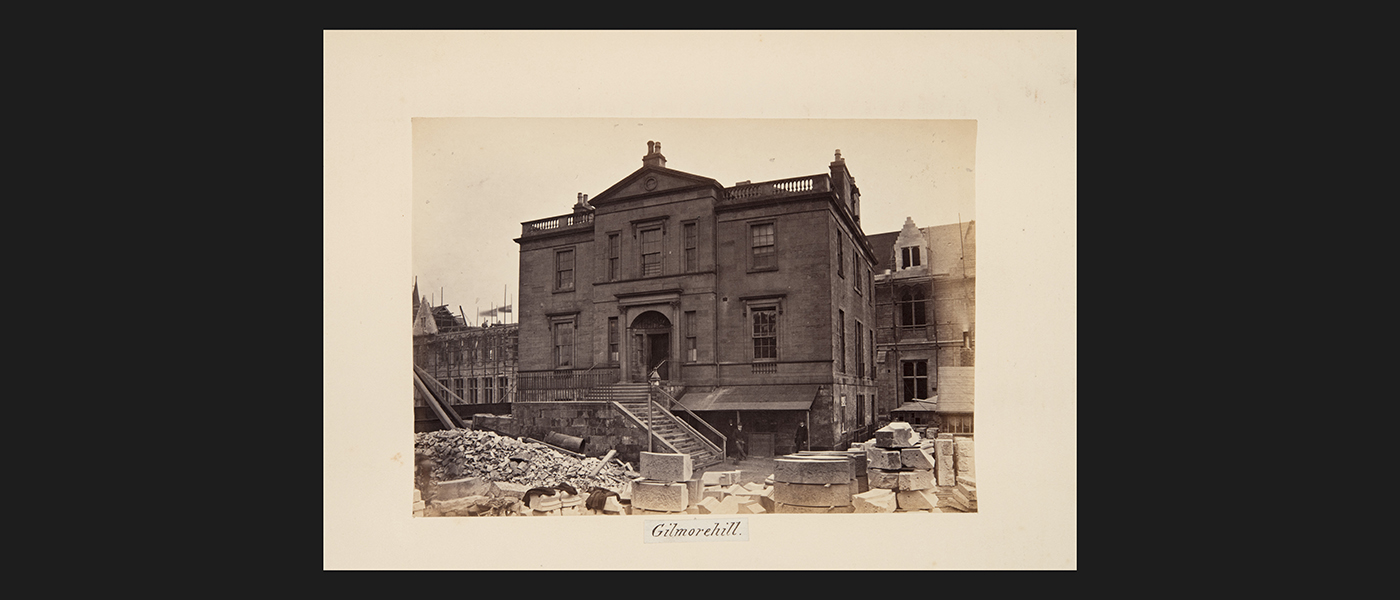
930	405
753	397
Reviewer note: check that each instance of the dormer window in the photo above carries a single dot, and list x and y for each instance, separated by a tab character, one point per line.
911	257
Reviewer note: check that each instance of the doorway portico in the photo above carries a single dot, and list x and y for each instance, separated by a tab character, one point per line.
650	341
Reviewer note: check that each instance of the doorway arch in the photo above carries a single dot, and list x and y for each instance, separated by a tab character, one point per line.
650	334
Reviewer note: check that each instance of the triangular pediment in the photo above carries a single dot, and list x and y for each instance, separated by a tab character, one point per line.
651	180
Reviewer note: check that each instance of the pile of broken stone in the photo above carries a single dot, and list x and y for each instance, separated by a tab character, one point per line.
481	473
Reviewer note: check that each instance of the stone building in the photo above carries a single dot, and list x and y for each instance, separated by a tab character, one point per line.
477	364
752	303
925	295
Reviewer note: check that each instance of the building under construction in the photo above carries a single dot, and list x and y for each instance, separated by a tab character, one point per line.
472	367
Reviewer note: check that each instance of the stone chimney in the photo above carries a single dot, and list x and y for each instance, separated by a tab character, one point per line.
654	157
841	180
582	206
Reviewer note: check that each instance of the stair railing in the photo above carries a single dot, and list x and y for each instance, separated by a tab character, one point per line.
723	441
641	423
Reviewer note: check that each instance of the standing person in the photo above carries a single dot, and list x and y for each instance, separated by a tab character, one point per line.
741	443
800	440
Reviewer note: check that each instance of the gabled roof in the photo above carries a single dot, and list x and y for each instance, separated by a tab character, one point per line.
635	184
945	245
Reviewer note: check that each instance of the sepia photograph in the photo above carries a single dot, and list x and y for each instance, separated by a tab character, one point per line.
657	341
699	300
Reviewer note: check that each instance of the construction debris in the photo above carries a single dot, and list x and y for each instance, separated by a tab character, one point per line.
483	473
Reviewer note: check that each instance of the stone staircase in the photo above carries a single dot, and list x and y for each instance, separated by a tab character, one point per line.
634	397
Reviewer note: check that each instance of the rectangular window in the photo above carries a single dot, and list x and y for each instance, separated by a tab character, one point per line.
564	344
841	254
860	350
765	334
486	387
446	384
860	410
911	257
762	244
503	385
564	270
614	250
690	350
457	388
690	257
475	395
841	315
871	349
915	379
612	340
856	275
651	252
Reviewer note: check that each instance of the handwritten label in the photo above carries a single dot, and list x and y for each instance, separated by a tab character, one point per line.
729	529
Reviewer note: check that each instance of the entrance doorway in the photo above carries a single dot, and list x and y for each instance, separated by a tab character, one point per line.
651	346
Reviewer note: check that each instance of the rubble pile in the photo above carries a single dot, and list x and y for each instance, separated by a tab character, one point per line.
465	453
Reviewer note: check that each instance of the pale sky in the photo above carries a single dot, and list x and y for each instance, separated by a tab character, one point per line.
476	179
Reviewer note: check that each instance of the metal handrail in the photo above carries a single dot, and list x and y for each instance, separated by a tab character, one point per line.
638	421
723	440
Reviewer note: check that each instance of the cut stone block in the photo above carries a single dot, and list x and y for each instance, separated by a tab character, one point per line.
459	507
962	501
963	462
781	508
874	501
754	486
967	480
675	468
716	492
546	503
417	495
881	479
767	500
643	511
855	459
471	486
728	506
506	489
707	506
725	478
812	494
789	469
734	489
693	509
862	483
943	451
915	480
880	458
915	458
419	505
968	491
752	508
916	499
710	478
660	496
896	435
695	490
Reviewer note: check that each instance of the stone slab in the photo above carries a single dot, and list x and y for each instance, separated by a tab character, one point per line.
967	480
752	508
545	503
880	458
968	491
856	459
875	501
767	500
728	506
862	483
716	492
789	469
417	495
663	496
943	459
963	461
725	478
916	458
896	435
419	505
812	494
780	508
916	499
675	468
